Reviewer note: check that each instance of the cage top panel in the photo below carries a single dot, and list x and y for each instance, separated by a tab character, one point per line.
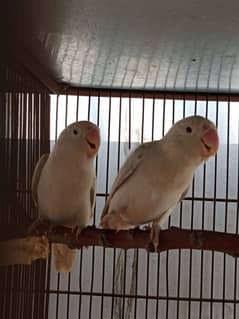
172	45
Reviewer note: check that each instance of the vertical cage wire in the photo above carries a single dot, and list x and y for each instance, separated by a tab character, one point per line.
189	284
174	284
24	136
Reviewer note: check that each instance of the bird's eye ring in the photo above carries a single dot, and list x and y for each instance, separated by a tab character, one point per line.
188	129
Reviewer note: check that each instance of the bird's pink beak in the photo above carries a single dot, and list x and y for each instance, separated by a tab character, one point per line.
93	139
210	141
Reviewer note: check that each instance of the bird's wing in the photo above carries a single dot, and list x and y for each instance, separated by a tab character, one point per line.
36	176
127	170
92	196
164	216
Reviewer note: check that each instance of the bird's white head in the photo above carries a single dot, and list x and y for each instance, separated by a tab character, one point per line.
83	135
196	135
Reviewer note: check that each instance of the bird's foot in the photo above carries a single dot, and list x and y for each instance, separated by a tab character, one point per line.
38	224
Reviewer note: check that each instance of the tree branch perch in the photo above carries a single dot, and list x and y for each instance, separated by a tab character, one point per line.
172	238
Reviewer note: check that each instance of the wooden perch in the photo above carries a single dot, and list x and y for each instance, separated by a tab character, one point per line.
173	238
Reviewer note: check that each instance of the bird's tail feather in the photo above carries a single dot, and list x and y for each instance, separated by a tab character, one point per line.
119	282
63	257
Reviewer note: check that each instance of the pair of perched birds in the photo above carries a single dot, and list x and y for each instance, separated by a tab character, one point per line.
149	185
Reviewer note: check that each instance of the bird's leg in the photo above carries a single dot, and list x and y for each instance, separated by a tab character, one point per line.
154	234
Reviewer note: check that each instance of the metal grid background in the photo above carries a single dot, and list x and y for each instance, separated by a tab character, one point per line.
24	136
175	284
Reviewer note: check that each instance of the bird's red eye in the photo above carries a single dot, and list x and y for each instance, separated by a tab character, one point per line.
188	129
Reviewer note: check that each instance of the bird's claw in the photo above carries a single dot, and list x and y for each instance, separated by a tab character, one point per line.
37	224
151	247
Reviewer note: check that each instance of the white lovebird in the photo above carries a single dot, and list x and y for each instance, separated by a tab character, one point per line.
157	175
153	180
63	184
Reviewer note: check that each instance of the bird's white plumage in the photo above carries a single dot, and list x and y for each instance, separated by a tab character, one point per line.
156	185
156	176
64	183
64	197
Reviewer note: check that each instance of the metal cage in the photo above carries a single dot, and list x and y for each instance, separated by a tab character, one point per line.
173	284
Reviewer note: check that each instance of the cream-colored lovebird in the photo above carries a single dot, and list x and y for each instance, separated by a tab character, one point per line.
63	184
157	175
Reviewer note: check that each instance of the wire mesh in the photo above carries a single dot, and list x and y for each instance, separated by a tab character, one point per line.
175	284
24	136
